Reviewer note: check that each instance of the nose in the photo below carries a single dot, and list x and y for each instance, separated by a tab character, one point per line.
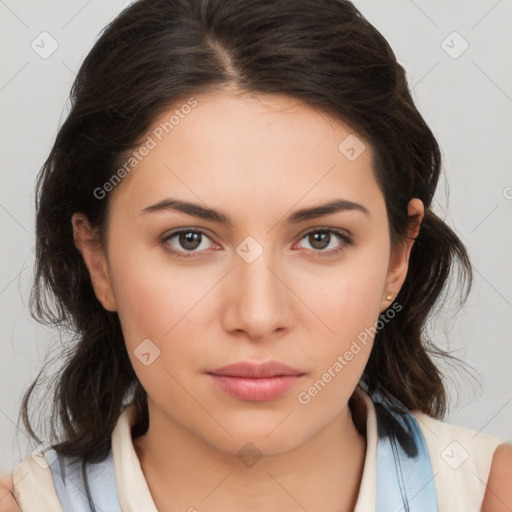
258	298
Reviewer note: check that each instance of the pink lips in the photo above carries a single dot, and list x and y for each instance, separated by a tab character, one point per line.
256	382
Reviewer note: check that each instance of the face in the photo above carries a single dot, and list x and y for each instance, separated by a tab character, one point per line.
269	285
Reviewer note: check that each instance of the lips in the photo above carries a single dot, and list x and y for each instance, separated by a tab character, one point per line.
256	382
256	371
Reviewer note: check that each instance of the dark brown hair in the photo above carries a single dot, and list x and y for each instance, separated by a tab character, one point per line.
157	52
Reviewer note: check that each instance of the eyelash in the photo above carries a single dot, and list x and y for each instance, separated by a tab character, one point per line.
333	252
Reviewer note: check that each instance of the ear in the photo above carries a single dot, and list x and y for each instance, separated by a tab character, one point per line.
87	242
399	260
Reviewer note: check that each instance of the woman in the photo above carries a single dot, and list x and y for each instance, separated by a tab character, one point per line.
235	221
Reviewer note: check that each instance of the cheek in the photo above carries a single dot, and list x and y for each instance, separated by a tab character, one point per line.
153	299
152	293
346	305
349	305
141	297
157	299
348	297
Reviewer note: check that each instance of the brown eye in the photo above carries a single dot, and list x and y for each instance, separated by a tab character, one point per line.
320	239
189	240
186	241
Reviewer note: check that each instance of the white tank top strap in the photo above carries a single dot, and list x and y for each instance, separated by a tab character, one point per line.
461	461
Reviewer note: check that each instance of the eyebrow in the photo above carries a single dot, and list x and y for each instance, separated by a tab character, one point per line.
196	210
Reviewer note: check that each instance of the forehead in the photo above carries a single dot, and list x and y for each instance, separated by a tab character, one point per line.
226	145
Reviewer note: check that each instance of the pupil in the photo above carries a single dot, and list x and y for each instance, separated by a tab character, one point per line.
189	240
318	237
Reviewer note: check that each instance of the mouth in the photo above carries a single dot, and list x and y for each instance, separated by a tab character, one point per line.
256	382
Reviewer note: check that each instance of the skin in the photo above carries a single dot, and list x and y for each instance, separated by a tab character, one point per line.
498	492
203	312
7	500
304	309
215	309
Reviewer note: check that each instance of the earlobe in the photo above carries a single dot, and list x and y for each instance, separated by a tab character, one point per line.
86	241
399	261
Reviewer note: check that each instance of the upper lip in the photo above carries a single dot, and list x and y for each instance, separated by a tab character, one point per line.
254	370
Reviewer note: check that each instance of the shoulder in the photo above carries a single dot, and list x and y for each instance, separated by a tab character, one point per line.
498	493
7	501
467	443
461	460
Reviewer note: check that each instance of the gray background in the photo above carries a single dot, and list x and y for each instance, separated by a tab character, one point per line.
466	99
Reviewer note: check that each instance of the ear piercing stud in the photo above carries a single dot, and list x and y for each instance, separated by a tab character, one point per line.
389	297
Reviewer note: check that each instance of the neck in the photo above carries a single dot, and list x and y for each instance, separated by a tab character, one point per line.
184	473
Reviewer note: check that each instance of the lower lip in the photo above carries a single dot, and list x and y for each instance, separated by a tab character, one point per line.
259	390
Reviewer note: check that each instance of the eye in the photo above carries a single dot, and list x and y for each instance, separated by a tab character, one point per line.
320	239
191	240
188	239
